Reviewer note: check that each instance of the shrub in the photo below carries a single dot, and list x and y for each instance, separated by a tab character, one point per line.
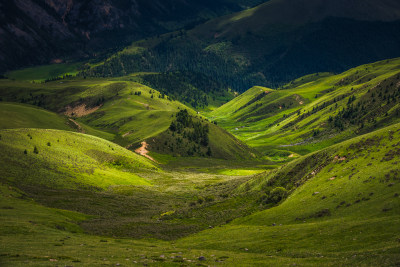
200	200
35	150
210	198
276	195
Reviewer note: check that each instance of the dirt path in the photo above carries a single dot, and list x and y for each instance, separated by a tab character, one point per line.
80	111
78	126
143	151
147	106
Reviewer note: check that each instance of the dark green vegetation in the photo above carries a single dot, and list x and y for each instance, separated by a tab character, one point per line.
194	89
38	31
190	135
270	44
315	111
45	73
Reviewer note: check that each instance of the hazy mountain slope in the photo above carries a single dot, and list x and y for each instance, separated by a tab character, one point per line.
272	43
315	111
39	31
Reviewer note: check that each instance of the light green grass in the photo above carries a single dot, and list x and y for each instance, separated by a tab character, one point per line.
68	160
364	233
267	125
239	172
351	219
14	115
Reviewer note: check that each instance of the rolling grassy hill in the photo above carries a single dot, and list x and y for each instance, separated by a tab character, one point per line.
54	154
346	211
339	208
78	172
118	110
314	111
16	115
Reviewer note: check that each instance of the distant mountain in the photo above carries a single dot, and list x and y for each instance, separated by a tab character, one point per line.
272	43
38	31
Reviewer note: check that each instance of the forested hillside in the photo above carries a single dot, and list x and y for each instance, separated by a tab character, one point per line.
258	47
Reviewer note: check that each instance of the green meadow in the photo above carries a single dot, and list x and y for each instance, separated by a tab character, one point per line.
302	175
299	117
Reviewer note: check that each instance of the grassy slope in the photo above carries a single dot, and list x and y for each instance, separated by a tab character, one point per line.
347	212
349	220
122	116
13	115
134	117
272	123
67	160
121	112
78	172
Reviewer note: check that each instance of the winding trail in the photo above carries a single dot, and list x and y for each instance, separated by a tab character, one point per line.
144	152
78	126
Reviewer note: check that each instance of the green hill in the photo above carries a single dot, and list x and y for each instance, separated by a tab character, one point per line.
53	155
15	115
190	135
315	111
335	206
78	172
343	208
119	110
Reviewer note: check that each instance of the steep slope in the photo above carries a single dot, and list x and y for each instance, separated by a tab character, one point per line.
315	111
41	31
272	43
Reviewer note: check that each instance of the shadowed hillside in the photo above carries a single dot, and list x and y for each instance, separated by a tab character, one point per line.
39	31
270	44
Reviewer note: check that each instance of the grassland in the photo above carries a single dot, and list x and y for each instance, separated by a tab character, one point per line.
315	111
54	155
344	211
118	110
15	115
69	198
78	172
